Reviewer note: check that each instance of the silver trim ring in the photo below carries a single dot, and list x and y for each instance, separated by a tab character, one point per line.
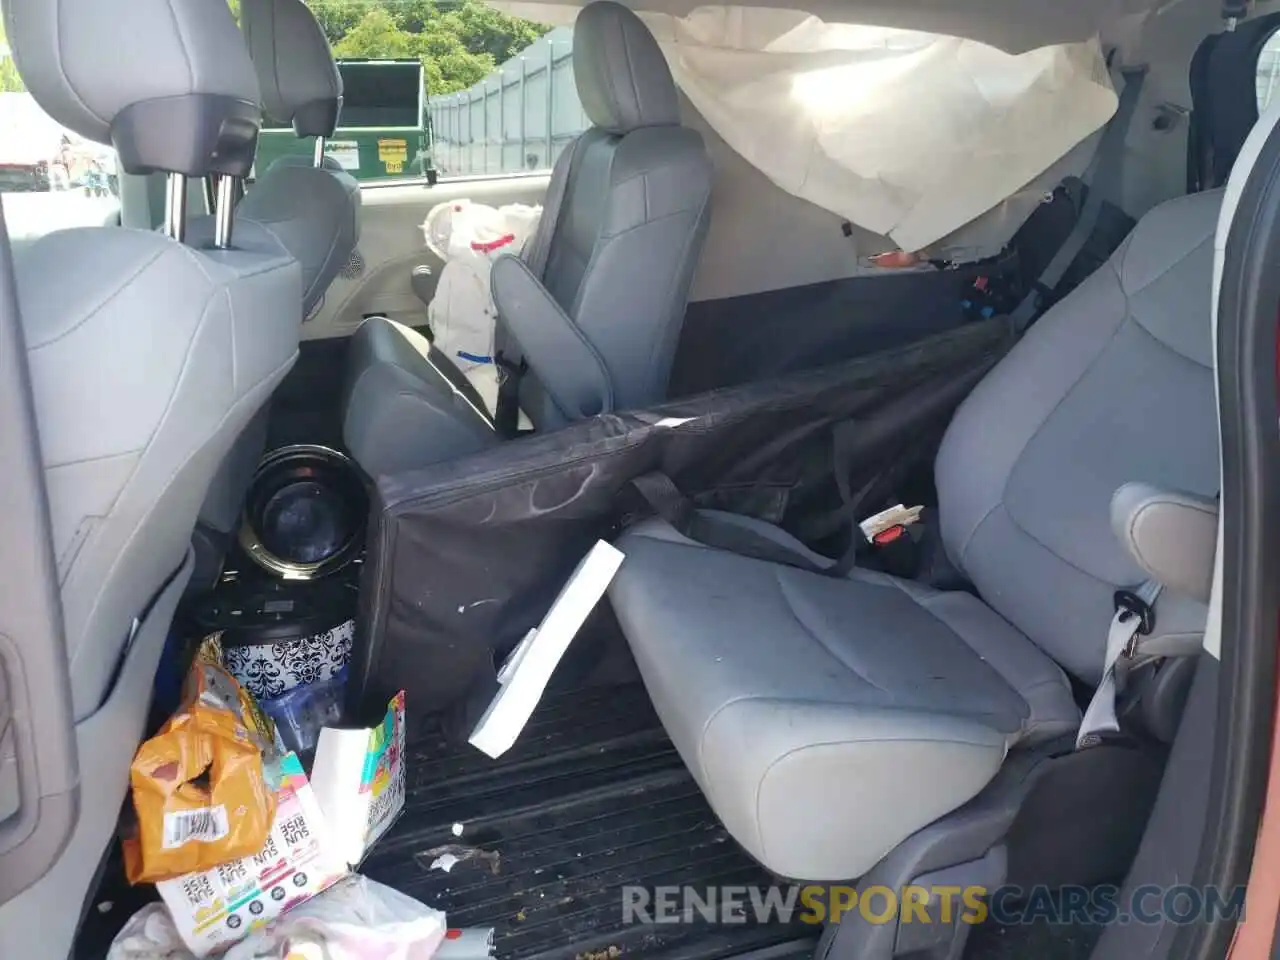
252	544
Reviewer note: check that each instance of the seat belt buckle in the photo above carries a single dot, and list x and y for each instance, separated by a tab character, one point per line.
888	525
1128	606
506	368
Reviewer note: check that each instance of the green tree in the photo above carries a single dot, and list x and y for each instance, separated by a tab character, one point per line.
458	41
10	82
339	17
479	28
376	35
456	70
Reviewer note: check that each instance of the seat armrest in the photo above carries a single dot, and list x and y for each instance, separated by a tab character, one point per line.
1172	535
564	361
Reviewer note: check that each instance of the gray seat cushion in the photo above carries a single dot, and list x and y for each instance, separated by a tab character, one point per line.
314	212
783	689
405	405
827	720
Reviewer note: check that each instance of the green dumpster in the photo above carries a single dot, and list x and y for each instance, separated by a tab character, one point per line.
383	132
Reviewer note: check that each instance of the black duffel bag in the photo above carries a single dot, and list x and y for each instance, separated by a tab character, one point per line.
465	557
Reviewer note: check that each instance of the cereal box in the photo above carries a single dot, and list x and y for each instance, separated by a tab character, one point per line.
359	780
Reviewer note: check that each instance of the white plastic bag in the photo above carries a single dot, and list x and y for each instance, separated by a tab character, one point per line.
150	934
468	237
354	919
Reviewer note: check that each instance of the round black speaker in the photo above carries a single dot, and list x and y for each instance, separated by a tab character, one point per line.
306	512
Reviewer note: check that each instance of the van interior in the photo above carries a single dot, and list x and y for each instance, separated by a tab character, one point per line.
806	263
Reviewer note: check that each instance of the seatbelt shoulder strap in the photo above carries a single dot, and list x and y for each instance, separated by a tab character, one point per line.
1134	618
1103	179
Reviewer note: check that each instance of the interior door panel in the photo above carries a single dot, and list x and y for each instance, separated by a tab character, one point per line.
379	279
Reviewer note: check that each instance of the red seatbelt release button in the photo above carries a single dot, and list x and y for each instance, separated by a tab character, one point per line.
892	523
888	535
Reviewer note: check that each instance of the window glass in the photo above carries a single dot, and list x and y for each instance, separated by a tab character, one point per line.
1268	78
516	118
50	178
441	88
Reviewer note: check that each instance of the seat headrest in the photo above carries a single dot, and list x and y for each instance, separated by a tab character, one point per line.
622	77
167	82
298	77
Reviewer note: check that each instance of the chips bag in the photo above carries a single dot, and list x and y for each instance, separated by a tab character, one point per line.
198	786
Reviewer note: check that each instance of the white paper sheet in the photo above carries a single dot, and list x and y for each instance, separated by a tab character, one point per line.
527	670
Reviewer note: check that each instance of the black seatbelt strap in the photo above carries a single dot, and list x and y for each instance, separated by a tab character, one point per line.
666	500
850	446
843	456
506	416
1103	179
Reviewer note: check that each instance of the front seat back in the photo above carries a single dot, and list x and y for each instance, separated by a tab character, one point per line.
147	358
622	251
312	211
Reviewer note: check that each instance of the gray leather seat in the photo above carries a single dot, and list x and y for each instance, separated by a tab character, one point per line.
147	358
828	719
598	328
311	212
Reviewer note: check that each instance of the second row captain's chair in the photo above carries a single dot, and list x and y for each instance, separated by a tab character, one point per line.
597	320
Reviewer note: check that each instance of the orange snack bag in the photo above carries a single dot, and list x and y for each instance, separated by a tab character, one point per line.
198	785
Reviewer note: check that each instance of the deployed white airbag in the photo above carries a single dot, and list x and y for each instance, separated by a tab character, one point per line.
909	135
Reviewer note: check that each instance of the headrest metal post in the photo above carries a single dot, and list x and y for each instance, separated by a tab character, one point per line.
224	212
318	158
175	206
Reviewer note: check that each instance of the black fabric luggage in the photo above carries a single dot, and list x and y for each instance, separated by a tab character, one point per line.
466	556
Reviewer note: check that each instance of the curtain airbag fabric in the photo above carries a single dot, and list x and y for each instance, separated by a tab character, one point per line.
910	135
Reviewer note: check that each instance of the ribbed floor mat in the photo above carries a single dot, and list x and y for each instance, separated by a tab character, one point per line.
592	797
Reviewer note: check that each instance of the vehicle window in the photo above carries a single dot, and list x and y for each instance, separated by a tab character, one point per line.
516	118
50	178
442	88
1268	77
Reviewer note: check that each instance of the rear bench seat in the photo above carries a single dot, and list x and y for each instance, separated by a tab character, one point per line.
827	720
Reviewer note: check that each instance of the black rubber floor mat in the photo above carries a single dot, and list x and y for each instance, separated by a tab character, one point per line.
1043	941
591	799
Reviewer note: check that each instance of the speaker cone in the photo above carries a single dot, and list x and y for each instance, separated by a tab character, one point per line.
306	512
